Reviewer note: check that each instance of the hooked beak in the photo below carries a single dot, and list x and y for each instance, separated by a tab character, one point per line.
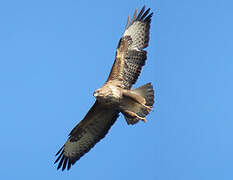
95	94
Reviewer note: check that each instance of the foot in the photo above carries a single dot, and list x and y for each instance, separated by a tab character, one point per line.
148	108
134	115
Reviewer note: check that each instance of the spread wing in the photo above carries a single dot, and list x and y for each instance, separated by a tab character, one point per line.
86	134
130	56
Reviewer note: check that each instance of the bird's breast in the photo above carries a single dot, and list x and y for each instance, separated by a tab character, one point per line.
112	95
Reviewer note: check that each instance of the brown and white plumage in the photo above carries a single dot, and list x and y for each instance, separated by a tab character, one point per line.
115	95
128	67
86	134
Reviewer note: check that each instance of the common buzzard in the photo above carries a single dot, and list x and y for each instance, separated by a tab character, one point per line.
115	95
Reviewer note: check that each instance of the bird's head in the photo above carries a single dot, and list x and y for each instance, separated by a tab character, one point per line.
101	93
97	93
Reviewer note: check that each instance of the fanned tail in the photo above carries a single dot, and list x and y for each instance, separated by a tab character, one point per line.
134	111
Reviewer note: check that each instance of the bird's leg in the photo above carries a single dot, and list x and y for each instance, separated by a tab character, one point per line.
148	108
134	115
139	99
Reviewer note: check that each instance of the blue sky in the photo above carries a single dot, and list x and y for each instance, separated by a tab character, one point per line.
54	54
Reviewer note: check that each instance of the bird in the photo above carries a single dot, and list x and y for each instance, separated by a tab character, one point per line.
116	95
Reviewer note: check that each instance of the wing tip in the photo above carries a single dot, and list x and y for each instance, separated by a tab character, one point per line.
144	15
64	161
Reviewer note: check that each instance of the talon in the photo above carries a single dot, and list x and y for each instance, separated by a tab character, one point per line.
148	108
134	115
144	120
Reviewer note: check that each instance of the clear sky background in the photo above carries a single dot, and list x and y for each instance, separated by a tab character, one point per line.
54	54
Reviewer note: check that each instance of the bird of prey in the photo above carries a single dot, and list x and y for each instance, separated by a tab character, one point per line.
116	95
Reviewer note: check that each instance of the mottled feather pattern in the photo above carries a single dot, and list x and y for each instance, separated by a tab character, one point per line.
134	60
147	92
83	138
138	31
130	56
136	57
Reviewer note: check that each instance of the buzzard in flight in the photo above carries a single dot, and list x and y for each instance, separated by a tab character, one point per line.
115	96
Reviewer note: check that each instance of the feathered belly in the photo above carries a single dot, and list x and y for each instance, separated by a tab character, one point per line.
112	99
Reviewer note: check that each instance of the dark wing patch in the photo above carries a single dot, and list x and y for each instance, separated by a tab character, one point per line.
134	60
130	56
86	134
